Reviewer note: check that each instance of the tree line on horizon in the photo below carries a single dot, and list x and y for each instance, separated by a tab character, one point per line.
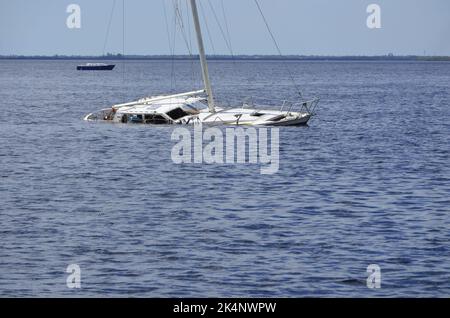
119	56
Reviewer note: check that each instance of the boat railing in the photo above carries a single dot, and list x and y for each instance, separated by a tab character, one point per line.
302	106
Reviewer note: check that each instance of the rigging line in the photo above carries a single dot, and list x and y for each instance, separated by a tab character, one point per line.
167	25
188	24
109	27
278	48
182	29
202	11
123	44
190	41
208	32
168	40
180	20
221	29
226	23
173	77
180	16
228	32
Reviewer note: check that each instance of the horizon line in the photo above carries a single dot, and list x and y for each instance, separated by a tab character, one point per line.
119	56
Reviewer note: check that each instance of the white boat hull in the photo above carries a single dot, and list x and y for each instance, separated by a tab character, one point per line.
248	117
188	108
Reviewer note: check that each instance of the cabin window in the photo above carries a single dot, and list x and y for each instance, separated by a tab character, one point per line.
177	113
136	119
155	119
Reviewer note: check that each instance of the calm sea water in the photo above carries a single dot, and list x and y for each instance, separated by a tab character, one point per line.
368	182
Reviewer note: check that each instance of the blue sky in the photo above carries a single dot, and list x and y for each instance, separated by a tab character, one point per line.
319	27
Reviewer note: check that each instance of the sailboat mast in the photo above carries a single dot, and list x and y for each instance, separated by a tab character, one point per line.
201	51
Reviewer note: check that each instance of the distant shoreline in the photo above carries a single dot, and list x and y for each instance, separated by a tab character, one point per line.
119	57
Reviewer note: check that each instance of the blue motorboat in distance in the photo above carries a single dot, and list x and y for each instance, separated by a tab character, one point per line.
96	67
